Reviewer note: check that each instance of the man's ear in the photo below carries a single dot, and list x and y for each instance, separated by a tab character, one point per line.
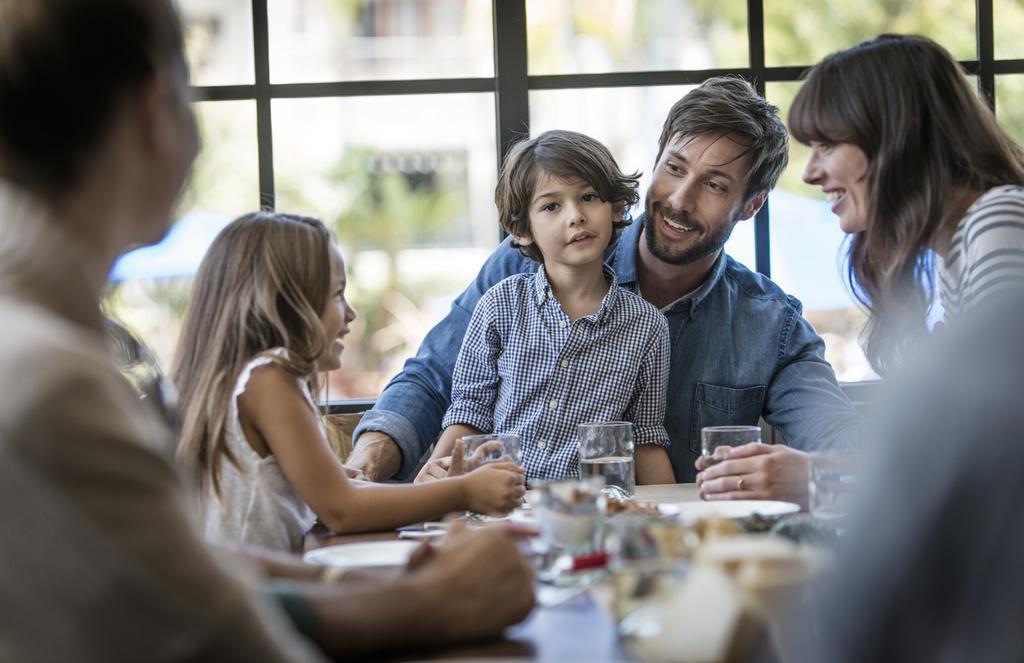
155	111
753	206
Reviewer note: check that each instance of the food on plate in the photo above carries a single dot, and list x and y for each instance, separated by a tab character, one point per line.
616	507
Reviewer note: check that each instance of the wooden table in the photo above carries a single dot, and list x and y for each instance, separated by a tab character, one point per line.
577	630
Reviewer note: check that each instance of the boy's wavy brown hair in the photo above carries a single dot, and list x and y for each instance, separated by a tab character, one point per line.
563	155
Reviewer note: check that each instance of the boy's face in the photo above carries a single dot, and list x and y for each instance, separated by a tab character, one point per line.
569	223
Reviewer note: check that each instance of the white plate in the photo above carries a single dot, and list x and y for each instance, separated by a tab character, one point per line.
363	555
735	508
529	516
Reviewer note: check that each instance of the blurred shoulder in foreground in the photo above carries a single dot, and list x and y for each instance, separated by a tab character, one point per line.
932	570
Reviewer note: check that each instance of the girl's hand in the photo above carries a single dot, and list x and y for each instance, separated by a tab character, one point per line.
495	488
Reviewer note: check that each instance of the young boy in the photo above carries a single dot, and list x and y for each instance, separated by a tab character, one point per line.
564	345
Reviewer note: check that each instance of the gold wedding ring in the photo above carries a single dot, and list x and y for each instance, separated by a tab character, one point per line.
739	484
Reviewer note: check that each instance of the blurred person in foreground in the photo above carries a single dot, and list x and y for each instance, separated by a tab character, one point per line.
740	348
100	560
932	570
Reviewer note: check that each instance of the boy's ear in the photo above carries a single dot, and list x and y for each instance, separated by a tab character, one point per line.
618	210
523	240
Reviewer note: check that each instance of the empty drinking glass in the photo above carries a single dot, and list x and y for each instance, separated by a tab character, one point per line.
606	450
712	437
831	486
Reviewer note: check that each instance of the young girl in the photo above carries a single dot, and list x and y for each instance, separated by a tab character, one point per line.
268	312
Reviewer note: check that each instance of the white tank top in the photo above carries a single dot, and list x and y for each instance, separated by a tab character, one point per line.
258	506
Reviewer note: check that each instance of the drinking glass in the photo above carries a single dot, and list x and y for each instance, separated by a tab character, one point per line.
606	450
489	448
648	563
712	437
569	513
831	486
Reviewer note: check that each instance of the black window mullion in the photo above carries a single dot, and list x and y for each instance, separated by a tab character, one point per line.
986	51
264	127
755	43
511	94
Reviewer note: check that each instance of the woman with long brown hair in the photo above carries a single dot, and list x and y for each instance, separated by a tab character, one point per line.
920	173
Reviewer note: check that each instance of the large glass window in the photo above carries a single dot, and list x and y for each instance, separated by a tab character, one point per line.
398	152
407	184
801	32
218	41
1008	28
591	36
345	40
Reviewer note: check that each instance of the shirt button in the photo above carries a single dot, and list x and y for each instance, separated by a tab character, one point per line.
553	405
562	324
542	444
565	363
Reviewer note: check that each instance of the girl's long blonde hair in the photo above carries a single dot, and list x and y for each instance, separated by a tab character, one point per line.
263	284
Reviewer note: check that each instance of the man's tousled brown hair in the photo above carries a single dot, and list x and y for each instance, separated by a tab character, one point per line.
729	106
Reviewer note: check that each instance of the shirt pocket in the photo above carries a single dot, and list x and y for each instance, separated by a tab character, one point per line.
715	405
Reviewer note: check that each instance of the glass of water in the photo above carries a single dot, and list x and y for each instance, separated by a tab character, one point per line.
489	448
606	450
713	437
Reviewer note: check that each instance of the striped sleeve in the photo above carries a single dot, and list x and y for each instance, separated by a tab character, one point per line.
992	248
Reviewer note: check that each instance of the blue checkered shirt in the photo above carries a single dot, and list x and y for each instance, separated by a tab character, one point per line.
526	368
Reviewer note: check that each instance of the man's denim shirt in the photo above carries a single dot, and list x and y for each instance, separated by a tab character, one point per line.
740	350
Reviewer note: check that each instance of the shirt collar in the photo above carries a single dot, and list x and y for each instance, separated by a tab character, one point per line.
541	290
623	257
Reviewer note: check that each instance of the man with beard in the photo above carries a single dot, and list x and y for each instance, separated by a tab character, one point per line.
740	347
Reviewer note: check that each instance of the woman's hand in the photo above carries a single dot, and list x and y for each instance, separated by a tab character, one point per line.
755	472
495	488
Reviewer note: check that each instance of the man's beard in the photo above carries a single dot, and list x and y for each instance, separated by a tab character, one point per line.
663	249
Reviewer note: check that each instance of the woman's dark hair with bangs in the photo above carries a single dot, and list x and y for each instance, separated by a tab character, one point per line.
564	155
930	142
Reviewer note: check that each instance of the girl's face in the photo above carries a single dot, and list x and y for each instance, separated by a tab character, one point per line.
840	171
336	316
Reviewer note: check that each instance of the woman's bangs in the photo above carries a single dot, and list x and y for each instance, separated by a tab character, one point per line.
817	114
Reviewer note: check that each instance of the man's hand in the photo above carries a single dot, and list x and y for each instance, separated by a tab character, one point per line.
354	473
480	582
755	472
376	456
